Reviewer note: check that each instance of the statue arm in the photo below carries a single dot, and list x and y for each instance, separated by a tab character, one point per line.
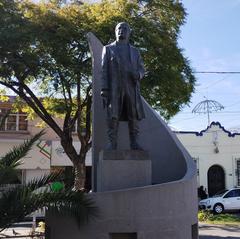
138	71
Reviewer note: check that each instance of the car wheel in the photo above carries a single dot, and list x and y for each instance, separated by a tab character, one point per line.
218	208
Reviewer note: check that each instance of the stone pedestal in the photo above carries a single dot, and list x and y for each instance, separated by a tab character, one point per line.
122	169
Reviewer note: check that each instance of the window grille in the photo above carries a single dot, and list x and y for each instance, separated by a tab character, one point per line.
238	171
14	121
196	160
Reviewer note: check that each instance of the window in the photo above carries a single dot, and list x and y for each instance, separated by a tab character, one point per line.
14	121
233	193
238	171
196	160
229	194
123	235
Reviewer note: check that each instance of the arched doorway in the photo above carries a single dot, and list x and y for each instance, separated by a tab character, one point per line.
216	179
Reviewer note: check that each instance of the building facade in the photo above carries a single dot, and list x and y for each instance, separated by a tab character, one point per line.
216	152
46	155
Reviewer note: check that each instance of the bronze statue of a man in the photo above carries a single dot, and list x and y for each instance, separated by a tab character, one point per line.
122	70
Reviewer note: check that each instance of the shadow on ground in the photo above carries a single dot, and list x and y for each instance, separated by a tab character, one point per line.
214	231
229	228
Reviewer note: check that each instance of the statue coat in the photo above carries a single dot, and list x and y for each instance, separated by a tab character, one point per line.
112	74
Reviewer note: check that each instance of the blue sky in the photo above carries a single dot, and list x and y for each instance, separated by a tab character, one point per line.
211	41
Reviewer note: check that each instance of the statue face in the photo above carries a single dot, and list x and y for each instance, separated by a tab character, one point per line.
122	32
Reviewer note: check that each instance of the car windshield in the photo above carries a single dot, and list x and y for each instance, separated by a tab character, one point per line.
219	194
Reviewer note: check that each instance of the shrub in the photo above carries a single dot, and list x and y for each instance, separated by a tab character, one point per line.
207	216
204	216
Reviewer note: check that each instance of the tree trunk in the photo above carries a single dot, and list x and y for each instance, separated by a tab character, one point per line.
80	176
78	161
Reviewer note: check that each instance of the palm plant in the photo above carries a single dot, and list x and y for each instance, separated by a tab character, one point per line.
19	201
11	160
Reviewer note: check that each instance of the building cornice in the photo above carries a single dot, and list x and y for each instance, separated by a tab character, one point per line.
230	134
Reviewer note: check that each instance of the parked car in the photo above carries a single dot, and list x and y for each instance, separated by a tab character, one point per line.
222	201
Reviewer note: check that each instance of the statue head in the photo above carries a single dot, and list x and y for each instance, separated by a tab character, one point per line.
122	31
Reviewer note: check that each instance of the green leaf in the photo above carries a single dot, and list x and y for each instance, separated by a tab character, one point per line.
18	202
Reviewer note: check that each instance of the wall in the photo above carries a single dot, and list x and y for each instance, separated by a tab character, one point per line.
45	153
166	211
35	173
202	147
59	158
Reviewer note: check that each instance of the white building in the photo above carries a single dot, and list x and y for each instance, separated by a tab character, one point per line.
46	155
216	152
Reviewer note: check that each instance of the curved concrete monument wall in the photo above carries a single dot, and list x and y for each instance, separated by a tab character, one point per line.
167	209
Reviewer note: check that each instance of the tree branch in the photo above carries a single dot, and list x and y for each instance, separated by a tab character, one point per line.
34	103
48	118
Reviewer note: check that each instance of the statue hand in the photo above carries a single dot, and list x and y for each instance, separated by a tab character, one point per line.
104	93
135	75
105	97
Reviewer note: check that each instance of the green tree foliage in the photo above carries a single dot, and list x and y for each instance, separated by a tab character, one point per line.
44	52
169	81
42	56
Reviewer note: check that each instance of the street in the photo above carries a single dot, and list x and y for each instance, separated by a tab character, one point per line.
211	231
206	231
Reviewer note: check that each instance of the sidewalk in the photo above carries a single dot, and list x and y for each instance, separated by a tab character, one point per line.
212	231
22	230
16	231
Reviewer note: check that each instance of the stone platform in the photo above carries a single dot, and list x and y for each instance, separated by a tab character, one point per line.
122	169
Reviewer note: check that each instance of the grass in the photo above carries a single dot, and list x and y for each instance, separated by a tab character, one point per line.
225	218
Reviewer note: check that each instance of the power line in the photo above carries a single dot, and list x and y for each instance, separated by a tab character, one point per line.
214	83
232	104
216	72
222	112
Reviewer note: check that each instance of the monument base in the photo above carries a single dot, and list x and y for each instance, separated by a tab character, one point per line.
122	169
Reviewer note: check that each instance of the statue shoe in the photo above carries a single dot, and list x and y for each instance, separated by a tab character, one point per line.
111	146
135	146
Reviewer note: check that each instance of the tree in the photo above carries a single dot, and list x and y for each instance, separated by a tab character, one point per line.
43	47
40	47
19	201
169	81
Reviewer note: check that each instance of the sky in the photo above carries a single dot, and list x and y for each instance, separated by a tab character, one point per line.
211	41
